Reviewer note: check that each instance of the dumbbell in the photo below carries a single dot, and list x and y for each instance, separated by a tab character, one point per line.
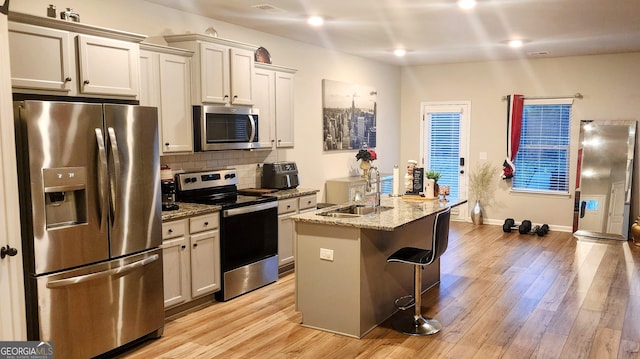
510	224
541	230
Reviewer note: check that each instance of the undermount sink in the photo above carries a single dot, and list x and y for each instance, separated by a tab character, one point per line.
354	210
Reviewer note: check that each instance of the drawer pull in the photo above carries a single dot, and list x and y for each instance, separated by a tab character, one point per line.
183	246
170	230
206	223
195	245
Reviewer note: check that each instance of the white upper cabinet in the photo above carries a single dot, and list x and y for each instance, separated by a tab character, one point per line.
54	57
32	70
214	73
241	76
222	70
264	97
273	97
107	66
165	82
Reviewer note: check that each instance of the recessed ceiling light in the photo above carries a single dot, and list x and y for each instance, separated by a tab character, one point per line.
515	43
315	20
466	4
400	52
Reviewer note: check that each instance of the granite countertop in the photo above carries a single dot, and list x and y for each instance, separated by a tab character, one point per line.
403	211
189	210
194	209
291	193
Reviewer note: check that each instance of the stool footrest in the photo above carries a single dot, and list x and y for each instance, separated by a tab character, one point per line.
405	302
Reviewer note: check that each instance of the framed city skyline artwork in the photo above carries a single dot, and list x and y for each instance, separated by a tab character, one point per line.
348	116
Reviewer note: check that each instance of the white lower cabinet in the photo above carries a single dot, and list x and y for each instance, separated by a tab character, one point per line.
194	272
286	227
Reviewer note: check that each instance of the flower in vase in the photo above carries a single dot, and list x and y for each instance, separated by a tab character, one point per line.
366	155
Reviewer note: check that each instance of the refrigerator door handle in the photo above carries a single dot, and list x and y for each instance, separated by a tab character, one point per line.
93	276
103	180
115	184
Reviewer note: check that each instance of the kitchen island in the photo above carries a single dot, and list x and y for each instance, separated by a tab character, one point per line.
344	284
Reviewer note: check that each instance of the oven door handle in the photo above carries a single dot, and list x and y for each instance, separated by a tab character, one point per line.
249	209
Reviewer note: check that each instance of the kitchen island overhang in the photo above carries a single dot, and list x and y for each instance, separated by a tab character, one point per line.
344	284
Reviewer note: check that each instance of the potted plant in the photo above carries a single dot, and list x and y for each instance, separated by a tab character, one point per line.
482	183
435	176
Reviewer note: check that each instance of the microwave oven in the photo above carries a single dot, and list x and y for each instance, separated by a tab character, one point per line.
218	128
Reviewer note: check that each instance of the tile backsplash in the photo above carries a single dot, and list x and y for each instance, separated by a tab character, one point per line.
245	162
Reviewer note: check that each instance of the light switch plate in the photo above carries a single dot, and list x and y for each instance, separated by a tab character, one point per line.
326	254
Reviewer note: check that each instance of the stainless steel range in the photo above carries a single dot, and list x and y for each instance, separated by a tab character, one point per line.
248	229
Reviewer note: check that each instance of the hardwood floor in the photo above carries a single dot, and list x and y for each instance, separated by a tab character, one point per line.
502	295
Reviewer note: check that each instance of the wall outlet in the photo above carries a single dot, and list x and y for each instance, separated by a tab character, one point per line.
326	254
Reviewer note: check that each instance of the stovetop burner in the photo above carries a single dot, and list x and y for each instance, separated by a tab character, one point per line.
217	187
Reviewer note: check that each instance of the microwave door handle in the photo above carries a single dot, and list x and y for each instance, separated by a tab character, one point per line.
252	136
115	184
103	180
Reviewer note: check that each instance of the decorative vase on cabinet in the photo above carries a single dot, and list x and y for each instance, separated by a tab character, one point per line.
476	213
635	232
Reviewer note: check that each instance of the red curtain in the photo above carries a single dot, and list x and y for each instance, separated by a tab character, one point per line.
515	104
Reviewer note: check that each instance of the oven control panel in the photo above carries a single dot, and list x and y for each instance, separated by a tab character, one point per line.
206	179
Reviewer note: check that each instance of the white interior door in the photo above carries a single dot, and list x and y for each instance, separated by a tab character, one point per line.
616	208
444	146
12	312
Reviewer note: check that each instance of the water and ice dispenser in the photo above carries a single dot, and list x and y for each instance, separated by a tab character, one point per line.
65	196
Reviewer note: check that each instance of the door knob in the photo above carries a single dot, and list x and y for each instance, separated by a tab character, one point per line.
7	251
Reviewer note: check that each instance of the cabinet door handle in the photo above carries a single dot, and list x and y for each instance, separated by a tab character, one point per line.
235	97
226	97
67	79
86	82
166	144
195	245
183	246
7	251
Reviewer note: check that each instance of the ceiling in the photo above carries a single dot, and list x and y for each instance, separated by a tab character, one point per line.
437	31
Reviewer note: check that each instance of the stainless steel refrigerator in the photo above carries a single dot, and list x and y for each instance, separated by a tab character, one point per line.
89	178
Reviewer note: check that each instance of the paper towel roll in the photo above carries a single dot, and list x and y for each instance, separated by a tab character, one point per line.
396	181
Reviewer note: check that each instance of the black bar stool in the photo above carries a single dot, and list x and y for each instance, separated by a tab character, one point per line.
417	324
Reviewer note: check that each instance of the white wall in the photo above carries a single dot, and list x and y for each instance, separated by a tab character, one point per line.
313	64
609	83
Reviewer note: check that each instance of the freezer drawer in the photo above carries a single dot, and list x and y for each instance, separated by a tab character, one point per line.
91	310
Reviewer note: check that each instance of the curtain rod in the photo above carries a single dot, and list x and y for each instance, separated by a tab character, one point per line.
576	95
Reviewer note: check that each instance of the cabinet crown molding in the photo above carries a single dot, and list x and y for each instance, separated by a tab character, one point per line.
75	27
205	38
261	65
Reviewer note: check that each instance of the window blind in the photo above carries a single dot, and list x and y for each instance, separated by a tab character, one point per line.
542	162
444	148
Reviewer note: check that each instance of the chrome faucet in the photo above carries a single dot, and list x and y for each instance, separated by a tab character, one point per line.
374	171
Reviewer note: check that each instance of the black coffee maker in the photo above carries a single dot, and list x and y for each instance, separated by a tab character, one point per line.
168	188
